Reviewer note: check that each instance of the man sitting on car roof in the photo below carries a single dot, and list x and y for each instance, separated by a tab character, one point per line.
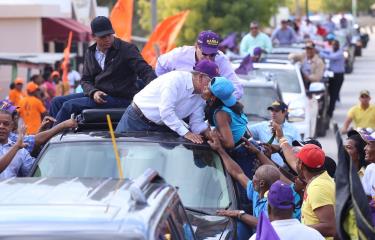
110	72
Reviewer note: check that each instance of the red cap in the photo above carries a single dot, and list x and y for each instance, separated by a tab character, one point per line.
311	156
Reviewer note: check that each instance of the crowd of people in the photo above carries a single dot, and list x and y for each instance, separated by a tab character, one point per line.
195	92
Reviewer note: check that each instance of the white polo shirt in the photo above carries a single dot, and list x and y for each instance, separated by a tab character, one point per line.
368	180
169	98
292	229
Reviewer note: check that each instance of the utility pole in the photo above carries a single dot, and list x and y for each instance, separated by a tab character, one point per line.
307	8
354	9
298	8
154	14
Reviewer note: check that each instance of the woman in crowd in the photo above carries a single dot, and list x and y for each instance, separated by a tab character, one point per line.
355	145
226	114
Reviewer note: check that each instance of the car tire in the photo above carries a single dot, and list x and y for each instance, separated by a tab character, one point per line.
348	69
358	51
321	127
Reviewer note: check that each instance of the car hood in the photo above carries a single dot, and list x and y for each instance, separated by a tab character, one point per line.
45	205
288	98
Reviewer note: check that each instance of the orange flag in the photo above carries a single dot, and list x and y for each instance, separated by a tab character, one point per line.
164	36
66	61
121	18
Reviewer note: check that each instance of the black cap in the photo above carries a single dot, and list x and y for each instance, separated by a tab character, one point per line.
101	26
278	105
297	143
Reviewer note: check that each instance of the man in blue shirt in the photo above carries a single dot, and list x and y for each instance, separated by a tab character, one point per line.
19	161
337	66
284	35
263	132
257	188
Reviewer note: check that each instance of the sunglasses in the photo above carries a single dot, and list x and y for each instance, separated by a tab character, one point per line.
212	55
254	28
364	96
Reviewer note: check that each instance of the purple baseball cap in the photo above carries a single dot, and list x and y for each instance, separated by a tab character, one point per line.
208	42
280	195
7	106
368	135
207	67
257	51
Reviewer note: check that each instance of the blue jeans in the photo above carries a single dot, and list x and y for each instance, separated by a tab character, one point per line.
62	107
131	121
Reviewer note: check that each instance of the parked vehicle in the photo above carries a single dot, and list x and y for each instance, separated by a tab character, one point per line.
194	169
258	95
303	111
92	208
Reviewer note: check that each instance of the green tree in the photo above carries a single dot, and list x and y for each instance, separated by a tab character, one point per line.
222	16
335	6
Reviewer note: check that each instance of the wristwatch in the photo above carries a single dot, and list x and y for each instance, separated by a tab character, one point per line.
240	213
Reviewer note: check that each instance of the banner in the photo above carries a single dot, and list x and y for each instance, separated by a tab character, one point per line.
163	39
121	18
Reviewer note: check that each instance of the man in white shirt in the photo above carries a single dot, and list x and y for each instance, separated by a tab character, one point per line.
73	77
206	48
174	96
280	211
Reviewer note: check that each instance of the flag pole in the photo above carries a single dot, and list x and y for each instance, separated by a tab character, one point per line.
115	146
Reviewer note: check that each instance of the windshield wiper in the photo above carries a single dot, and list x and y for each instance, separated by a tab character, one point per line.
198	211
257	115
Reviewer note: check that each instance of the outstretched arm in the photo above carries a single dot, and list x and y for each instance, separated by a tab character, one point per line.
42	137
231	166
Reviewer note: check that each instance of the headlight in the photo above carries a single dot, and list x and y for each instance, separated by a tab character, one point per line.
346	54
296	115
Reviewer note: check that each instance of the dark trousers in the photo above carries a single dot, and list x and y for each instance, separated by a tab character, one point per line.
62	107
132	121
334	87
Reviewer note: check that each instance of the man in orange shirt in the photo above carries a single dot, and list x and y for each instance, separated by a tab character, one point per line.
32	109
16	94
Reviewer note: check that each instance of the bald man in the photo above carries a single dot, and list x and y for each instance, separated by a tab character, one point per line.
263	178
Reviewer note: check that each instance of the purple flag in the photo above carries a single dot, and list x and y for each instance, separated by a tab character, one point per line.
246	66
265	230
229	41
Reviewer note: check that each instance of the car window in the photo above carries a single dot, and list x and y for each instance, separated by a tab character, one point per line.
287	79
256	100
197	172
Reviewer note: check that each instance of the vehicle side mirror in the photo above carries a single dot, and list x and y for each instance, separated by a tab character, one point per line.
316	88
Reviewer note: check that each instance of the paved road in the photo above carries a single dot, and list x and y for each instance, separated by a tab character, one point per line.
363	77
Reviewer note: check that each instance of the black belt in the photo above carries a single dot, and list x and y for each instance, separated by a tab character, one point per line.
141	115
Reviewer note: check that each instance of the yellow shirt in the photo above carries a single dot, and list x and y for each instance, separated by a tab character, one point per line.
320	192
363	118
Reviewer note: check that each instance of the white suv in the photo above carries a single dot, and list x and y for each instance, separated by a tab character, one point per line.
303	111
